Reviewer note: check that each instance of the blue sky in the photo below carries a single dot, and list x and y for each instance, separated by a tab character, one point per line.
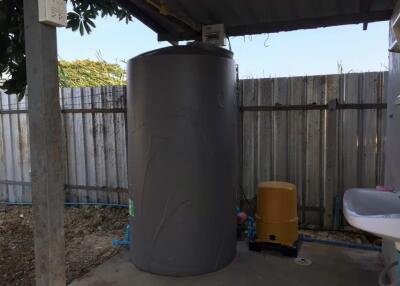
304	52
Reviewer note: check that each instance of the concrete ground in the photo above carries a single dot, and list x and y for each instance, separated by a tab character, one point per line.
331	265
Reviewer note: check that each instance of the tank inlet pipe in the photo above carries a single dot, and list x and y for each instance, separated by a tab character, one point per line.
251	228
127	238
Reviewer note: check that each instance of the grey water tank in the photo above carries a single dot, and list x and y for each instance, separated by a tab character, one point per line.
182	159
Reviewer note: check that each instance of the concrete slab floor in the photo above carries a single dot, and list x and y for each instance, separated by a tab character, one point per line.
331	265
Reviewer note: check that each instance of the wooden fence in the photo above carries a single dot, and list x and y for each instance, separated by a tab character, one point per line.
323	133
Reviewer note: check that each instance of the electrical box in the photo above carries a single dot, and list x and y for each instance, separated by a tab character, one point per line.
214	34
53	12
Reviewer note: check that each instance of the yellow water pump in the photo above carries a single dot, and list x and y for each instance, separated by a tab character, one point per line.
276	218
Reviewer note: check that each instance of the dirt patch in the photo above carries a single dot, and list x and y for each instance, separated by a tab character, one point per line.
88	234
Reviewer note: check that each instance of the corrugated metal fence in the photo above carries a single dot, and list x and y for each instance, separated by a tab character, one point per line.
94	125
288	134
14	150
325	134
94	121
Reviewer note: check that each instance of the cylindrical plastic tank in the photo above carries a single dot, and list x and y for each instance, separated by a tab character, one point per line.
182	159
276	219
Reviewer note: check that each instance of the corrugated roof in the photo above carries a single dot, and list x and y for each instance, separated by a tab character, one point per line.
182	19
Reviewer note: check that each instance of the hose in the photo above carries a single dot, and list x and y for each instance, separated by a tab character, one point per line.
385	273
341	243
305	227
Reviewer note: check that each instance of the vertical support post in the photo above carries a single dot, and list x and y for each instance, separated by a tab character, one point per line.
240	191
47	160
331	162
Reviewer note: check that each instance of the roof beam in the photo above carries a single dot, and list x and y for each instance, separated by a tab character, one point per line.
290	25
159	23
142	16
310	23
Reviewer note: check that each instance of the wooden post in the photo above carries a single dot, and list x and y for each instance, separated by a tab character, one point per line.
47	161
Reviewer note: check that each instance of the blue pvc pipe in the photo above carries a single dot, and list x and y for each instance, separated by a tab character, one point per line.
127	238
337	213
251	229
70	204
15	204
342	244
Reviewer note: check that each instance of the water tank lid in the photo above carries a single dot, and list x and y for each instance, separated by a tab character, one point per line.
190	49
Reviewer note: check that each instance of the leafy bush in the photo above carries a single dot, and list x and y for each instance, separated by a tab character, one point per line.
85	73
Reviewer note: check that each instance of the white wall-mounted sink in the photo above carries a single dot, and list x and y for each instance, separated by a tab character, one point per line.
374	211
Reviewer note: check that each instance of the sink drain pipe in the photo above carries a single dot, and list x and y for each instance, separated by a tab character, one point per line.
385	273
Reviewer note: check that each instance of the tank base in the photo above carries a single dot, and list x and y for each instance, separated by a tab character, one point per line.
178	273
291	251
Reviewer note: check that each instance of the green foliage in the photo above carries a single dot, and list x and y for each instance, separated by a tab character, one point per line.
12	41
87	73
85	11
12	45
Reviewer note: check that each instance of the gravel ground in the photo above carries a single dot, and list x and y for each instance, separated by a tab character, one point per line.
351	235
88	234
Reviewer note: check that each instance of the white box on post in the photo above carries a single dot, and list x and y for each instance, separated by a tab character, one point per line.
53	12
214	34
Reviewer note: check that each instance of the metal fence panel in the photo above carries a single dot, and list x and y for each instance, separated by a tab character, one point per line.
288	140
14	150
94	121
